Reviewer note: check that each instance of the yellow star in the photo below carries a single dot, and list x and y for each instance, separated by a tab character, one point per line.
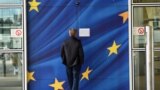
86	74
124	15
57	85
113	48
34	5
30	76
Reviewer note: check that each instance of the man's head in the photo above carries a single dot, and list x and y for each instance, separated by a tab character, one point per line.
72	32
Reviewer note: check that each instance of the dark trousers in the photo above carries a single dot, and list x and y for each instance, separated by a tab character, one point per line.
73	74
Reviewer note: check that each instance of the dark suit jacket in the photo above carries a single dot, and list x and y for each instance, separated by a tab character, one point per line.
72	52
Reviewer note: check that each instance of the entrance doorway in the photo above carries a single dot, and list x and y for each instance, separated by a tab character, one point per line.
12	45
145	44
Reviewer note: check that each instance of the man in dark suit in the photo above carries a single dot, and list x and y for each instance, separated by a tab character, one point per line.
73	58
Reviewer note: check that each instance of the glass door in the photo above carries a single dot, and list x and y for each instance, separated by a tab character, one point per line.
146	47
12	45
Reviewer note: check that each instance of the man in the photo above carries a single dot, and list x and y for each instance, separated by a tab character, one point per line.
72	57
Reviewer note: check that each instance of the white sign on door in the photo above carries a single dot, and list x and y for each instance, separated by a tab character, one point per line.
16	33
138	30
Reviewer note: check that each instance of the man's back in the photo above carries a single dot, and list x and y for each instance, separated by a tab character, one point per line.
72	52
72	57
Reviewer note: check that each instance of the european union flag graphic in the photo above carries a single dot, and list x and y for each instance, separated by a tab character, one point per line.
106	64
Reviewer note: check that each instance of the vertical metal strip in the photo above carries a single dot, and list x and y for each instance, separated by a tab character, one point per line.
25	44
152	58
149	49
130	45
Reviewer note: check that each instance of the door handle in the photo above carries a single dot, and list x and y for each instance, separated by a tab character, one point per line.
149	58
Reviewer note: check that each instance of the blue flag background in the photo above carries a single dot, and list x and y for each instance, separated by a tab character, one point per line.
48	28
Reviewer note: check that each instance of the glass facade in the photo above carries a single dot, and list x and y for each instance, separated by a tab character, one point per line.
157	70
142	16
146	16
10	19
11	65
139	70
11	44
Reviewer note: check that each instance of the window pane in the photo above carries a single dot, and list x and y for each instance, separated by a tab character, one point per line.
145	1
10	1
139	70
11	65
146	16
138	19
157	69
10	19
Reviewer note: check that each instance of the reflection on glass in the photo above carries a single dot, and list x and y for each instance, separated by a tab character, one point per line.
10	1
146	16
139	41
157	69
10	19
139	70
11	65
145	1
156	34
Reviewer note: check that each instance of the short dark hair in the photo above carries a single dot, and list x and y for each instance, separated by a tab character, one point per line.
72	32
